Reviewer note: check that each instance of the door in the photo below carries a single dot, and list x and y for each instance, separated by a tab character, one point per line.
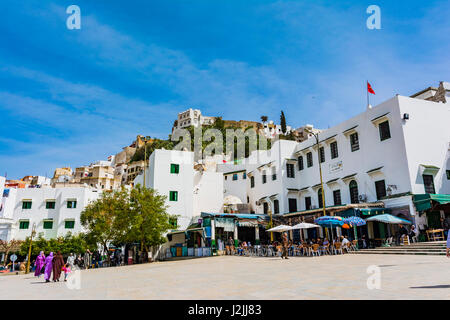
292	205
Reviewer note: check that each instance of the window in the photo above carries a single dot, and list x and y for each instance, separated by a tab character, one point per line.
353	187
173	221
320	198
252	182
50	205
448	174
174	168
290	170
321	154
300	163
266	208
71	204
292	205
26	204
309	159
274	173
334	150
276	206
264	177
48	224
235	176
173	196
244	175
337	197
24	224
69	224
307	203
380	188
428	183
226	177
354	142
384	130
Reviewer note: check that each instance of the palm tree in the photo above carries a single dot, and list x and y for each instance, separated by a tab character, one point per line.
264	119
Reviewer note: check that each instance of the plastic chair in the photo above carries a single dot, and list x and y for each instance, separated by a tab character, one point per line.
338	248
325	249
315	250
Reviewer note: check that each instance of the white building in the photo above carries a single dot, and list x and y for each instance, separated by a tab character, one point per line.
55	211
271	130
189	191
383	157
192	117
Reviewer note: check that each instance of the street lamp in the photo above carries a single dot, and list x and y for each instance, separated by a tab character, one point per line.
316	135
33	232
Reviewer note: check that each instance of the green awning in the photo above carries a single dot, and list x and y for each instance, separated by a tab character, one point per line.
365	212
425	201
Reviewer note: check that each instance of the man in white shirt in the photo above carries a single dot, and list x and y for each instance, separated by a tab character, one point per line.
344	242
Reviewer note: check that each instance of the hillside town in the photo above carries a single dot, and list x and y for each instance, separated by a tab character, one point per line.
392	158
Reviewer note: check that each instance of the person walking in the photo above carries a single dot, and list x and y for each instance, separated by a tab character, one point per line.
87	259
39	264
71	260
285	246
48	267
448	246
58	264
67	269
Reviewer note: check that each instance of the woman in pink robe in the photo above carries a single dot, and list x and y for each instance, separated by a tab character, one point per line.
48	267
40	262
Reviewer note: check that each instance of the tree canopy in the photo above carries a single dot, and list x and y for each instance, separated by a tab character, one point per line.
127	216
283	122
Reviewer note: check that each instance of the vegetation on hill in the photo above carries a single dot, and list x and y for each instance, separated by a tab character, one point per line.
219	125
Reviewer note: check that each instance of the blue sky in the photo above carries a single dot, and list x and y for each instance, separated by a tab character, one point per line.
70	97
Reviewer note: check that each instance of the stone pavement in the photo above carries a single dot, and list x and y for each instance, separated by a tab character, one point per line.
225	277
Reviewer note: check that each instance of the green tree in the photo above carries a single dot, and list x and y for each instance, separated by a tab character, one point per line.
7	246
156	144
146	220
68	244
283	122
264	119
99	217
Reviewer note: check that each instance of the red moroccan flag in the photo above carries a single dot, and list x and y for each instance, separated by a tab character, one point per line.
369	88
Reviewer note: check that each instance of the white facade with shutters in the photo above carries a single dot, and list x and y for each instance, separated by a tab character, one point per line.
52	220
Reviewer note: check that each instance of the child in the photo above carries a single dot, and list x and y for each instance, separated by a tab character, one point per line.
66	270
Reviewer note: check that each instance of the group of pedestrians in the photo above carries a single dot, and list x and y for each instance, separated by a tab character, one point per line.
52	264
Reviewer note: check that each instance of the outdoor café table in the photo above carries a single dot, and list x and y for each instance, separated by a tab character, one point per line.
435	234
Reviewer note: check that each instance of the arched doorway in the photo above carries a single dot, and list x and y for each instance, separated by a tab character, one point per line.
353	187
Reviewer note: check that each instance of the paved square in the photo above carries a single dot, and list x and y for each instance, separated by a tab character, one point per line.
225	277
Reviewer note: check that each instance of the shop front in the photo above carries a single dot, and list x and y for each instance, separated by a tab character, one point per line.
239	227
434	214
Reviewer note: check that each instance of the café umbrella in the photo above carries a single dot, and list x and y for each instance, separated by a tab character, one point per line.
280	228
304	225
388	218
355	222
329	222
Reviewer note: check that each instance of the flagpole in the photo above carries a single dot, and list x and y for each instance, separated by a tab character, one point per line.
367	91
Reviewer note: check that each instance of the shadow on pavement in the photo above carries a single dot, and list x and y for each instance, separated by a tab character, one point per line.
439	286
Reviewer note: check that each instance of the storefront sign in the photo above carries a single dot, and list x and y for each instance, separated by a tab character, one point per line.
335	167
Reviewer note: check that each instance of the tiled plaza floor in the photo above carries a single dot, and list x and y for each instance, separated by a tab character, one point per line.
327	277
